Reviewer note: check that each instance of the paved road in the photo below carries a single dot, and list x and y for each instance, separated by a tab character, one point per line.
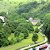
38	48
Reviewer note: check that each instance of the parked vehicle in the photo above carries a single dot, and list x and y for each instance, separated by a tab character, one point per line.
43	47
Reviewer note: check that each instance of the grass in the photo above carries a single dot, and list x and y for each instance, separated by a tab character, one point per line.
40	38
24	42
35	27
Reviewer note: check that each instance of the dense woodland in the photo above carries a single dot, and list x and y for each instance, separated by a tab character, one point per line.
16	24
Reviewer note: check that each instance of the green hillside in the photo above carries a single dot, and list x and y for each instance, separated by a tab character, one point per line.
18	28
32	8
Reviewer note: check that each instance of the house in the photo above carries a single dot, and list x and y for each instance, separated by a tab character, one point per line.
34	21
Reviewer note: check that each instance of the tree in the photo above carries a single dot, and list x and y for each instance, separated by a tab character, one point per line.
23	30
3	39
36	30
21	36
1	24
16	33
6	29
28	26
46	26
26	35
2	14
35	37
25	8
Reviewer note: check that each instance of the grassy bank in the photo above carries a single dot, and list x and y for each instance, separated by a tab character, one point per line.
23	43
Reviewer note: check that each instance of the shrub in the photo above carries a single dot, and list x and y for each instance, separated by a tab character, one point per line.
26	35
2	14
3	39
35	37
21	36
36	30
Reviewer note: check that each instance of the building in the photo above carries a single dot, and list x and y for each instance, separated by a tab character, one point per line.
34	21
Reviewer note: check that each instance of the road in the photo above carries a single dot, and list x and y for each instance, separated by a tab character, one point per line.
37	48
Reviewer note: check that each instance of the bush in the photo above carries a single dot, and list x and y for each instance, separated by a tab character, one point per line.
21	36
2	14
5	42
3	39
35	37
36	30
23	30
26	35
28	26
